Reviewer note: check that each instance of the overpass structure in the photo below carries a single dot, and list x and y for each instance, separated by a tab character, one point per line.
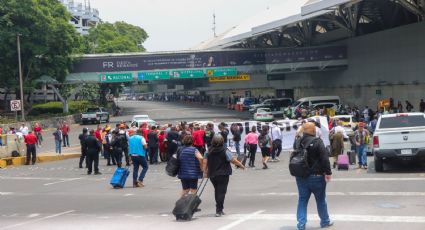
362	50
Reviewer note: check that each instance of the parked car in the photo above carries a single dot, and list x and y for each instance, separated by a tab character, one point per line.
140	119
277	106
399	137
263	114
95	115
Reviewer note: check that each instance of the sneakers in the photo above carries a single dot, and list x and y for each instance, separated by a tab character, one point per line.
97	173
219	214
277	159
265	166
328	225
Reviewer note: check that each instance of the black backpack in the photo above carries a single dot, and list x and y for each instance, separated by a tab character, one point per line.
298	163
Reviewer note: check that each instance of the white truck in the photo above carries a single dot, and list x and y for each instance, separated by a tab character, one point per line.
95	115
399	136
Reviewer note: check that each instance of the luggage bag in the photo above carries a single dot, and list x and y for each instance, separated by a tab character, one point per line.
120	177
187	205
343	162
352	157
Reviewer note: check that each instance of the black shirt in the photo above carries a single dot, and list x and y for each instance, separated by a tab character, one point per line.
318	156
224	134
218	165
172	137
152	140
93	145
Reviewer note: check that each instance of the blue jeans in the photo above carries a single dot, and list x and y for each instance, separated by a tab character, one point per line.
307	186
238	147
137	162
58	146
362	155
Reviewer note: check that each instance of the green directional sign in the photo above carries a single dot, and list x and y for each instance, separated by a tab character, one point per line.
187	74
222	72
154	75
116	77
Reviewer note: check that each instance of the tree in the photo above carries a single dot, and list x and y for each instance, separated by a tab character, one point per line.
47	41
119	37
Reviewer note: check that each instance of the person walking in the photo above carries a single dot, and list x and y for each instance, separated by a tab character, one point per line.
422	106
409	106
153	144
122	133
37	131
237	131
162	148
337	146
31	141
137	151
106	142
171	140
209	134
82	137
117	143
361	136
93	148
319	166
265	143
190	166
217	167
198	139
276	135
224	132
252	141
65	132
58	140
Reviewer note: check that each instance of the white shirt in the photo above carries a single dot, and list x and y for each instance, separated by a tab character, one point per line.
275	133
24	130
318	132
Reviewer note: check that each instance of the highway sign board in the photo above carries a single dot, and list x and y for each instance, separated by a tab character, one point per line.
241	77
116	77
154	75
187	74
222	72
15	105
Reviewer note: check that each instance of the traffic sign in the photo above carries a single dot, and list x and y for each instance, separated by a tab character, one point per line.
116	77
155	75
222	72
241	77
15	105
191	73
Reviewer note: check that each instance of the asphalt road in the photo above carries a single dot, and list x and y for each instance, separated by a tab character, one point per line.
58	195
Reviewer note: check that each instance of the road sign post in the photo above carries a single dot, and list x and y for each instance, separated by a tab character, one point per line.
15	106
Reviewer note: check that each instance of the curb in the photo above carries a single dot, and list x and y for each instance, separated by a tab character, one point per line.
16	161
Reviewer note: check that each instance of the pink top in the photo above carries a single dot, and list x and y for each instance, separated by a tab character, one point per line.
251	138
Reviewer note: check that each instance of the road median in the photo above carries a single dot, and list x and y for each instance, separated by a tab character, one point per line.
16	161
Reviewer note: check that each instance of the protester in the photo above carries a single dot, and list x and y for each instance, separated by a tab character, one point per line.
122	133
409	106
24	129
422	106
361	136
337	146
93	147
224	132
217	167
237	130
315	183
65	132
118	142
106	142
137	151
171	139
251	140
153	145
31	141
162	148
58	140
276	135
198	139
82	137
209	134
37	131
190	166
265	143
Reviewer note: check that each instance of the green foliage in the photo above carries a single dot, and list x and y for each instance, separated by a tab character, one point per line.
47	40
55	107
90	92
119	37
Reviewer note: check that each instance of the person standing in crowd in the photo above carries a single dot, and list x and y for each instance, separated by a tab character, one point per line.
337	145
265	143
82	137
373	124
409	106
315	183
162	148
366	114
99	136
93	147
289	112
124	142
117	143
237	130
171	139
276	135
224	132
209	133
361	135
190	165
24	129
137	150
198	139
65	132
37	131
58	140
252	141
422	106
217	167
106	142
399	107
31	141
153	145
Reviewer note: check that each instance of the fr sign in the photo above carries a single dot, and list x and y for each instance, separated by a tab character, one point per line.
15	105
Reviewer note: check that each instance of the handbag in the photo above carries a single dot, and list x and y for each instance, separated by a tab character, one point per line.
173	164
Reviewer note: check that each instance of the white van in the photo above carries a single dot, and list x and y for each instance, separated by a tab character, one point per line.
310	101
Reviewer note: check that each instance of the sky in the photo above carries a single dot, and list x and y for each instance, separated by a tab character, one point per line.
179	24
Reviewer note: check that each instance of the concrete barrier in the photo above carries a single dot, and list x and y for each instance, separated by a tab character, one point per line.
16	161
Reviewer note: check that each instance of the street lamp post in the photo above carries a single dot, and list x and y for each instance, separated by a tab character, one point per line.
21	84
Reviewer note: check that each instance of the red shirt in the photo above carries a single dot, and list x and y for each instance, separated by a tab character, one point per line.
65	130
37	129
30	139
98	134
145	133
198	138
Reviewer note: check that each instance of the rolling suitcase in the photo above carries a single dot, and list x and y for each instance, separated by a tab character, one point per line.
119	178
352	157
343	162
187	205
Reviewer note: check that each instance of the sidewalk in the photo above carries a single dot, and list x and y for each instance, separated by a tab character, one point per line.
67	153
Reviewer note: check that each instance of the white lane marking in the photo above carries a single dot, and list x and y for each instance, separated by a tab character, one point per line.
33	215
30	178
336	217
62	181
344	194
129	194
241	220
379	179
6	193
37	220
